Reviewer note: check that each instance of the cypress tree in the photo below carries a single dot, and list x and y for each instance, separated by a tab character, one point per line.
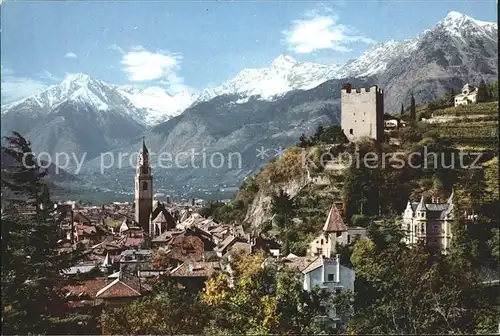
413	114
402	109
482	92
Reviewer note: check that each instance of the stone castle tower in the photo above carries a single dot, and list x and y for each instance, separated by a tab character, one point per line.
143	189
362	112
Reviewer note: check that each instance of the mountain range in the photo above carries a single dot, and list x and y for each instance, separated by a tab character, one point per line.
267	107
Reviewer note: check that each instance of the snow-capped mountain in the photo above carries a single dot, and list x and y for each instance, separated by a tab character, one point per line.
284	74
463	26
148	106
92	116
158	104
430	64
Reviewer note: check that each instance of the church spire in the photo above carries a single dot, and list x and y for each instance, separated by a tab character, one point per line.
144	148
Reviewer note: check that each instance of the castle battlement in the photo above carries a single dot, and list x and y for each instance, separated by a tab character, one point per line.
363	90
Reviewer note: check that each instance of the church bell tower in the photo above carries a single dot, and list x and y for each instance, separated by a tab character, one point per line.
143	189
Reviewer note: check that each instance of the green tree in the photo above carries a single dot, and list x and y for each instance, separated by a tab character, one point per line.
461	247
494	244
482	92
303	141
31	266
168	311
413	113
409	291
333	134
493	91
283	211
362	181
266	298
315	138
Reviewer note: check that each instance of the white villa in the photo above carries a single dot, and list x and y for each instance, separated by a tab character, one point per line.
468	96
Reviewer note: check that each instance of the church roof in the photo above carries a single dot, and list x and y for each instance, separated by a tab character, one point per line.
334	222
144	148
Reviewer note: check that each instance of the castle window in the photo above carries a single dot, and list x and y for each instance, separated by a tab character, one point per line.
330	277
144	185
351	131
321	241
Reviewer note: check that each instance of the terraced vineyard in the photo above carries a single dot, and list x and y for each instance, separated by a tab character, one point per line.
472	129
469	125
490	108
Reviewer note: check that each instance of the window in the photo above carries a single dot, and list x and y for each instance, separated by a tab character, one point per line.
351	131
321	241
348	239
330	277
339	234
337	291
144	185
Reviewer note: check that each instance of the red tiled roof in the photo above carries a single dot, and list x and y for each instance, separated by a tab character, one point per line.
118	289
334	222
90	287
299	263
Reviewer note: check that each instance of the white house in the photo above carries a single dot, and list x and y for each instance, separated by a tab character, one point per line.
325	273
468	96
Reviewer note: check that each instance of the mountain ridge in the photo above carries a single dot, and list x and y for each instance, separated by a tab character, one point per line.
242	115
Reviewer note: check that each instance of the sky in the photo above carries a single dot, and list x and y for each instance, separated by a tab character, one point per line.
192	45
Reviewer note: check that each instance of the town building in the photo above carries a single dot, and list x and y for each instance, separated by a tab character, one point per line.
327	274
429	224
334	232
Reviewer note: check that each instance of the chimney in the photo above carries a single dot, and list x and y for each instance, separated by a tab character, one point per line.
438	200
433	199
190	268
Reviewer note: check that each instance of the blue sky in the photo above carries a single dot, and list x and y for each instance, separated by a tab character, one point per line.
196	44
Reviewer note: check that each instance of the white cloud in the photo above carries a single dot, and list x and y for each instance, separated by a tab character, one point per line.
18	87
143	65
320	30
70	55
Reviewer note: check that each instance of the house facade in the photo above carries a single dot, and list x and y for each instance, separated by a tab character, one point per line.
334	232
429	223
467	96
327	274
